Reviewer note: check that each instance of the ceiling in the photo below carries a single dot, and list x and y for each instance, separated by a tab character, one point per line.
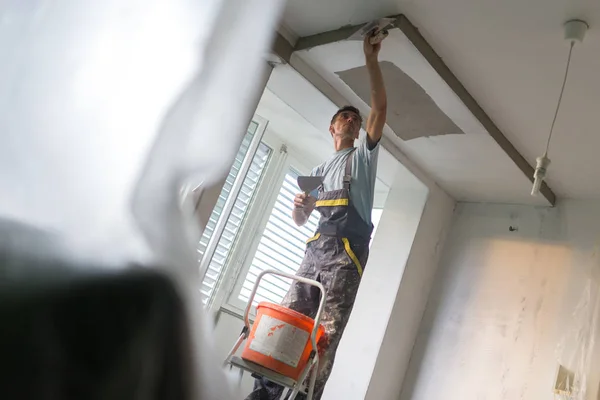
510	56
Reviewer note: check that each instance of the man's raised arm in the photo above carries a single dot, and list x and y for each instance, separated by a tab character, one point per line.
378	113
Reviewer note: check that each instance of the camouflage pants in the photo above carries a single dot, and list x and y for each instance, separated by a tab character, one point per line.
327	261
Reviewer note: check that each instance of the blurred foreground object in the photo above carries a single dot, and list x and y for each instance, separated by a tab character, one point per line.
109	108
91	333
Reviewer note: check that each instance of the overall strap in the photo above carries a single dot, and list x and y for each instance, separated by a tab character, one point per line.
348	172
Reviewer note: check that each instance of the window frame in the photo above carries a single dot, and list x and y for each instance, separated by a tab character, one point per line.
236	187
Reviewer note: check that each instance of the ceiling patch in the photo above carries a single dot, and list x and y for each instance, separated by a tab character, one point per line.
412	113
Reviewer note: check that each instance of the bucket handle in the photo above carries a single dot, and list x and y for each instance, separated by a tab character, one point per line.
313	336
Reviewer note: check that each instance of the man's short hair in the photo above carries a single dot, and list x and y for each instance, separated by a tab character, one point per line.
346	108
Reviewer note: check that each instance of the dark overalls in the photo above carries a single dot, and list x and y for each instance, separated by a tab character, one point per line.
336	257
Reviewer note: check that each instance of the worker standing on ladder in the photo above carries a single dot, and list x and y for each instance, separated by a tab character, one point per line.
337	254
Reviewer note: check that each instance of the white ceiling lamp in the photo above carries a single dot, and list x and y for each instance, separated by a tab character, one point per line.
575	30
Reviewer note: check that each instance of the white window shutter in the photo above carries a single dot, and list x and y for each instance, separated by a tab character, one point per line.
235	218
281	246
227	186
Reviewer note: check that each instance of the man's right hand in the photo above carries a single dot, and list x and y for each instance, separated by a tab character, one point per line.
302	200
303	206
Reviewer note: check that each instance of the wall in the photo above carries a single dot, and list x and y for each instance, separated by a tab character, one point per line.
516	292
411	299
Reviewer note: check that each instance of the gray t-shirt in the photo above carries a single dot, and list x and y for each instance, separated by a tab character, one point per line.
364	173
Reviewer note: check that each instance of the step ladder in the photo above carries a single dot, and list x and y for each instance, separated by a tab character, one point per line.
293	387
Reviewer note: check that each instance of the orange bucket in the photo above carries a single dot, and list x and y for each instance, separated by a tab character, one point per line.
280	340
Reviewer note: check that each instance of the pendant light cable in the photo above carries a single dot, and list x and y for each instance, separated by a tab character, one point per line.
562	90
575	30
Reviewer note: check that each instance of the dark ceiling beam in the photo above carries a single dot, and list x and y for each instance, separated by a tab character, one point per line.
282	49
320	39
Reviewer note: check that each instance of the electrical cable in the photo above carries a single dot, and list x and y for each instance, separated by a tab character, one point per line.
562	90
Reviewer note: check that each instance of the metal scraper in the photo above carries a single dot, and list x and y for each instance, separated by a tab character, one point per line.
309	183
378	30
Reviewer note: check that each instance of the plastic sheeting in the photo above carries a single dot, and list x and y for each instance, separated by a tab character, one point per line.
576	351
107	108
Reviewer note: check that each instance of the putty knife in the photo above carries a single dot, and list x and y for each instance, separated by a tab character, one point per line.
378	29
309	183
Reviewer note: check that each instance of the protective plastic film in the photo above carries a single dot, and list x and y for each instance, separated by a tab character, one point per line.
107	108
577	350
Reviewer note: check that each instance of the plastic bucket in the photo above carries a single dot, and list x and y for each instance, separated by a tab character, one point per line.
280	340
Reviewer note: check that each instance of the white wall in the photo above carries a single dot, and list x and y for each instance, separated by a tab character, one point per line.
411	299
509	303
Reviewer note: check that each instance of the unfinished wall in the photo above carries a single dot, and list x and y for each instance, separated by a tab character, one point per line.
515	294
411	299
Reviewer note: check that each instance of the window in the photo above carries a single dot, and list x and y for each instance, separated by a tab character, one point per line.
281	247
231	210
233	173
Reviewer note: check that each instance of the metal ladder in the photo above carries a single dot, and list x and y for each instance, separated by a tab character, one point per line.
293	387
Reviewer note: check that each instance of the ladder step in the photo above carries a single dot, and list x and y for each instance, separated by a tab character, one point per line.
260	371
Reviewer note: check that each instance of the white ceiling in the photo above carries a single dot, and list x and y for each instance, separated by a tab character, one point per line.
510	55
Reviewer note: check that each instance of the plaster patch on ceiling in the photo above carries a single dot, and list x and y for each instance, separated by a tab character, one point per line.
412	113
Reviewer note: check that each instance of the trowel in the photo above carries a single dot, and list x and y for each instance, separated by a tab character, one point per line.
309	183
378	30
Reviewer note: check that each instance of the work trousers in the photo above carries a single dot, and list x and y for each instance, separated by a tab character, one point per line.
333	263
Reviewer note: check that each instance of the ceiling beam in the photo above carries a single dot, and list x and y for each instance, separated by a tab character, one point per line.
282	49
285	50
320	39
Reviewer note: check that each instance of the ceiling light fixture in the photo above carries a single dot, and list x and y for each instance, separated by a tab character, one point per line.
575	30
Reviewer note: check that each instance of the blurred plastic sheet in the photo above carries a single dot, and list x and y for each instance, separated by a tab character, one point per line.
577	350
108	107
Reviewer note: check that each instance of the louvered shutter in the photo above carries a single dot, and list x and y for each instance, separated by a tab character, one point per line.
233	173
281	246
235	218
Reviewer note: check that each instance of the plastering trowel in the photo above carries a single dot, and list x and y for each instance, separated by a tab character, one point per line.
378	30
309	183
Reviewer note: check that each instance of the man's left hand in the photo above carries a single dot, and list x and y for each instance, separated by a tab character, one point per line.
371	50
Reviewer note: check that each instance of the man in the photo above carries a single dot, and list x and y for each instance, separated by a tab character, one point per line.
337	254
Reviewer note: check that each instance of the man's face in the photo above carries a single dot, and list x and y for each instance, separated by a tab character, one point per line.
346	125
